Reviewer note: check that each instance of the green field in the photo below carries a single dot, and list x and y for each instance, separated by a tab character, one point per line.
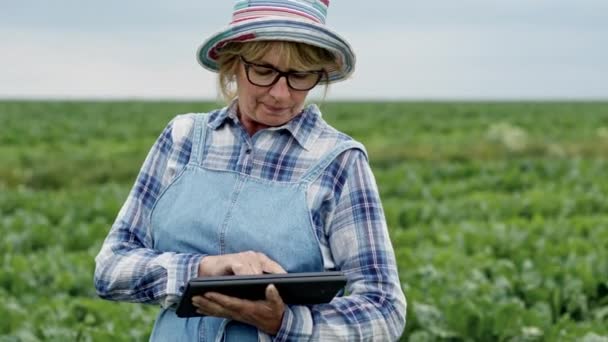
498	213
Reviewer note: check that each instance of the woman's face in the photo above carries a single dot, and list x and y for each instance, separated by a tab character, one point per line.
262	107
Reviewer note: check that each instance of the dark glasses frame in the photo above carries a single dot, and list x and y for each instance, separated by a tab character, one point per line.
248	65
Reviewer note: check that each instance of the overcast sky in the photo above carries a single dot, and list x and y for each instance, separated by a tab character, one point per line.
465	49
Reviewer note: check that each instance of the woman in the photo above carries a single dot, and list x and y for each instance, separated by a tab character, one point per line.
261	186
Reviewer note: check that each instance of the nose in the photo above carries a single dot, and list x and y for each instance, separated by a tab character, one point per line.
280	89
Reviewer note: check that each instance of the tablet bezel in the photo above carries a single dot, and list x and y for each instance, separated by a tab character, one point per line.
306	288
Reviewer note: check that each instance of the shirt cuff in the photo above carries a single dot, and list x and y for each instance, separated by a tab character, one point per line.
296	324
183	268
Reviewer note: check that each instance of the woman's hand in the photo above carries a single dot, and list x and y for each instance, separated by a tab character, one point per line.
244	263
266	315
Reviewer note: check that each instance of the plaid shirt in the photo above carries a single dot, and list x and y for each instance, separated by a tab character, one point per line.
345	207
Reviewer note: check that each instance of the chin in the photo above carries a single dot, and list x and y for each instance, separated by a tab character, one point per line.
284	115
276	121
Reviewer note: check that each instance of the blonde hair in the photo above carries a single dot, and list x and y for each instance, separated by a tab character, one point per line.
299	56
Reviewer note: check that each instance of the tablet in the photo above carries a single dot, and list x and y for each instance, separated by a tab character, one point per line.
295	288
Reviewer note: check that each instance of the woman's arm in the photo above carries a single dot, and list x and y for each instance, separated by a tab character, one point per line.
374	308
127	267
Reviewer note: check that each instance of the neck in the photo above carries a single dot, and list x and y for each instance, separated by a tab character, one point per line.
251	126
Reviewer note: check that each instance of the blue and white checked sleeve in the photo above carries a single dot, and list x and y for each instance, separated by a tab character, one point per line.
127	267
374	307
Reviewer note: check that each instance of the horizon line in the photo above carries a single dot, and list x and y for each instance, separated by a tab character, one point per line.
314	99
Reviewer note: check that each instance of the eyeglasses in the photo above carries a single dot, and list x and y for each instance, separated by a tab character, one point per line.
266	76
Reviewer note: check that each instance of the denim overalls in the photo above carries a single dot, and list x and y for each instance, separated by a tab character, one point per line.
216	212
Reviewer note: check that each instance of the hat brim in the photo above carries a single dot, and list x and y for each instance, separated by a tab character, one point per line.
270	28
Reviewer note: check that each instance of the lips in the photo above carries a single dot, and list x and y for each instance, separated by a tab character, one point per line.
273	108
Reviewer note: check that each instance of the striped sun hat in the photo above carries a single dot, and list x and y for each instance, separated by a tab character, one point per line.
289	20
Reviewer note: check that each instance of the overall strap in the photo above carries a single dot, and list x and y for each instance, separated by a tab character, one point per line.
315	171
198	140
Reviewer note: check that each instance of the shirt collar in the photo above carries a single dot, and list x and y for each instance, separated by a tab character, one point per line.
224	114
305	127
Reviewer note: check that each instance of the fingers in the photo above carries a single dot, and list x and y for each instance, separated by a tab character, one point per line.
266	315
244	263
208	307
272	323
216	304
214	265
227	302
254	263
240	268
270	266
273	296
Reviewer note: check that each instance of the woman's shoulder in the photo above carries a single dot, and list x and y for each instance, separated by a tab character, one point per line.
332	138
182	125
